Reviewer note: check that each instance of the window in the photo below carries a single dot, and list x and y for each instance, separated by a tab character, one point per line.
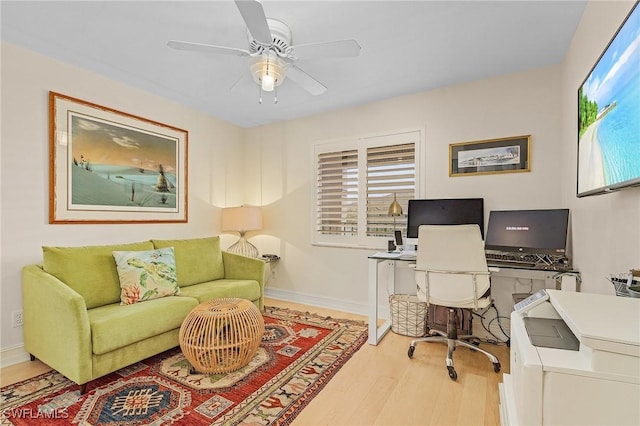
337	193
356	181
391	171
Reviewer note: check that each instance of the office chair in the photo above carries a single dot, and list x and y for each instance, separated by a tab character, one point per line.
451	271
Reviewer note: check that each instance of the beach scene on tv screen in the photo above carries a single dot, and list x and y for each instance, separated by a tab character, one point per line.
609	114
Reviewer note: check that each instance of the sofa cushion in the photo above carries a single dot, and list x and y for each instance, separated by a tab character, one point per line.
146	275
197	260
243	289
90	271
116	326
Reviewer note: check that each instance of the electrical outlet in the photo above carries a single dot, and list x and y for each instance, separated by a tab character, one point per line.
16	318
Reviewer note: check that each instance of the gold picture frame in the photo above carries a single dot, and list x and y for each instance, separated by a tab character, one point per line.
503	155
108	166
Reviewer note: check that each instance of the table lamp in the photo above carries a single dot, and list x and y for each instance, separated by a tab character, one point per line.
242	219
395	210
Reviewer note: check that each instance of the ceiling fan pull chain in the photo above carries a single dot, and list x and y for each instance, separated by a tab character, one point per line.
260	95
275	94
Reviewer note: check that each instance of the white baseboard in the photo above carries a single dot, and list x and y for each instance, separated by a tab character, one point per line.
315	300
13	355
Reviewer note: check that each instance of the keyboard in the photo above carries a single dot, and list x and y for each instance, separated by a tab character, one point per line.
510	263
526	261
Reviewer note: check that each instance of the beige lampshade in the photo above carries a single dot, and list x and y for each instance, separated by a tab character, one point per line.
241	219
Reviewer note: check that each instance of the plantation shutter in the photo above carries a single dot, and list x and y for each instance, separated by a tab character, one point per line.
390	169
337	193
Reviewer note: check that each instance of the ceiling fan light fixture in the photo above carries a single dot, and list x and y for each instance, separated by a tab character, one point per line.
268	70
271	52
268	82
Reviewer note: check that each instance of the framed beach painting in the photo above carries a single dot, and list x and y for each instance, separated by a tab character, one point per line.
107	166
504	155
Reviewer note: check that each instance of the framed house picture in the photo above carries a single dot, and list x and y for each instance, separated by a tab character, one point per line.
108	166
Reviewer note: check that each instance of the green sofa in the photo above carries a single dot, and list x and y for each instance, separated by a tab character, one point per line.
74	321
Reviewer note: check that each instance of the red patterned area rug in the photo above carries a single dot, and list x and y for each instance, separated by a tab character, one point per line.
299	354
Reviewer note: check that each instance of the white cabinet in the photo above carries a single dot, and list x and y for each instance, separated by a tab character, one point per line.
599	384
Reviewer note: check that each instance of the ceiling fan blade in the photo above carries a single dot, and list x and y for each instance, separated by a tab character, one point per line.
305	81
253	15
206	48
329	49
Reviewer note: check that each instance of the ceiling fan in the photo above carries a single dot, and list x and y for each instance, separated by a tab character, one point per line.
271	55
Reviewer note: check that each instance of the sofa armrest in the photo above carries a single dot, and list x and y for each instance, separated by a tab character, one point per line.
238	267
56	324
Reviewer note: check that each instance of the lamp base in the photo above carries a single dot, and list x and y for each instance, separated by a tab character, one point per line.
243	248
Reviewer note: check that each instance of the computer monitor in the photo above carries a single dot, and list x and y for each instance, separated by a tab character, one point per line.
528	231
450	211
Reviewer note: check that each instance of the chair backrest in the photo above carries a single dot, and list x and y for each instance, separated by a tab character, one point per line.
448	258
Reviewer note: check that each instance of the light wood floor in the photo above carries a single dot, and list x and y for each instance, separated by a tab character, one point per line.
380	385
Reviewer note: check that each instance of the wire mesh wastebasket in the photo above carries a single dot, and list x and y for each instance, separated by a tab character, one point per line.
408	315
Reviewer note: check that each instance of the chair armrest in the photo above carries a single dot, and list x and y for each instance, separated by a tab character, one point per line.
56	324
238	267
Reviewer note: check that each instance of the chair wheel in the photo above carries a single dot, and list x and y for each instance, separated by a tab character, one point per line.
496	367
410	351
452	373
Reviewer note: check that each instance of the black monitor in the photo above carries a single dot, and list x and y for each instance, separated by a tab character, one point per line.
450	211
528	231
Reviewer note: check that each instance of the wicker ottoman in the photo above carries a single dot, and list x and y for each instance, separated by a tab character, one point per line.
221	335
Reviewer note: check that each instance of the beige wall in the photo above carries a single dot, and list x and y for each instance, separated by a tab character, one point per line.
605	234
26	80
512	105
606	228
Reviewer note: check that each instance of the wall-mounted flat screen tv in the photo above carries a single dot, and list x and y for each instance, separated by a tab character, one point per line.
447	211
609	115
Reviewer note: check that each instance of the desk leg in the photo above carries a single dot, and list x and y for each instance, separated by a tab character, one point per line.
375	333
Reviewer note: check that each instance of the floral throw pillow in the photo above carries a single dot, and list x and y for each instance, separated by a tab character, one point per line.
146	275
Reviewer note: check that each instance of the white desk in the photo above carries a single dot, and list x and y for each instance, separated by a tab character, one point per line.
502	287
377	333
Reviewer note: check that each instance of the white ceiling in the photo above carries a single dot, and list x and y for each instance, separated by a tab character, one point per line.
407	47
